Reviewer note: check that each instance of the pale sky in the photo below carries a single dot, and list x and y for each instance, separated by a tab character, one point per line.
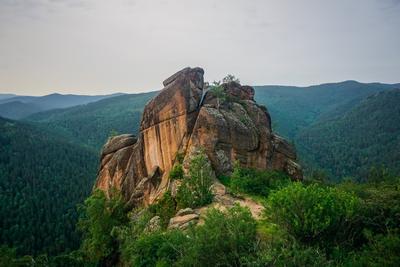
106	46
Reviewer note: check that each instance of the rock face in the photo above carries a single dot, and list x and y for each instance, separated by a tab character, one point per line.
182	118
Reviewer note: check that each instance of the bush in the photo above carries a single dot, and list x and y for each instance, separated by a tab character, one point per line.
256	182
226	239
382	250
290	253
176	172
157	248
380	204
314	214
165	208
98	217
195	190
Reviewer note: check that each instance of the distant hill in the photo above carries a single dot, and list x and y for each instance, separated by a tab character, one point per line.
93	123
366	135
5	96
42	178
295	108
18	107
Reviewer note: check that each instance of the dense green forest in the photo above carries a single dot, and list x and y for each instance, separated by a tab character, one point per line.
295	108
48	162
343	128
42	179
348	145
310	223
91	124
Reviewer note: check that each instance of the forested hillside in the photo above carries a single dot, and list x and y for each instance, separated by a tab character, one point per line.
48	162
42	178
5	96
91	124
18	107
295	108
348	145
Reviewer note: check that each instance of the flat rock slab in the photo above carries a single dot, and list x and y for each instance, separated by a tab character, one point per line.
182	222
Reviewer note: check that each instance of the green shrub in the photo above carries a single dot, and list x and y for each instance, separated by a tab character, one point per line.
99	215
195	190
256	182
382	250
176	172
380	208
314	214
165	208
219	92
225	239
157	248
180	156
287	253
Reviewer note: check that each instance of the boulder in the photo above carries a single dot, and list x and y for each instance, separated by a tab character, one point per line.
153	225
185	211
183	222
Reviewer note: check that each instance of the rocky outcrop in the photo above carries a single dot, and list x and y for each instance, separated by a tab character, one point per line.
182	118
183	219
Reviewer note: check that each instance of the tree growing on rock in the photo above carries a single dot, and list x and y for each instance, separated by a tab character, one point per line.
230	78
219	93
195	190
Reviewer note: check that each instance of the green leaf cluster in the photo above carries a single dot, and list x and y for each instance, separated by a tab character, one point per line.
195	190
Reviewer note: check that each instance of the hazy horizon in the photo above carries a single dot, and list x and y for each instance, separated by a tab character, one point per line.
102	47
72	92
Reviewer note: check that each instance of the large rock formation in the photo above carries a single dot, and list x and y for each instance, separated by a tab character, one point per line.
229	126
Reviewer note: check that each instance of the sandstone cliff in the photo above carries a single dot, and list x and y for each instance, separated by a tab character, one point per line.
182	118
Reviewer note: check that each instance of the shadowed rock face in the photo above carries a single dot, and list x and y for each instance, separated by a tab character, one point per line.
173	122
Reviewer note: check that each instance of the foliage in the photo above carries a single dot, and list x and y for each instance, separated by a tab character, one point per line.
379	174
176	172
314	214
99	216
382	250
349	144
156	248
165	208
256	182
113	133
229	237
195	190
42	178
219	92
380	208
230	78
289	253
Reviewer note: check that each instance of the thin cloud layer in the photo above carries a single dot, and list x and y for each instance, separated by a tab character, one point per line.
99	46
